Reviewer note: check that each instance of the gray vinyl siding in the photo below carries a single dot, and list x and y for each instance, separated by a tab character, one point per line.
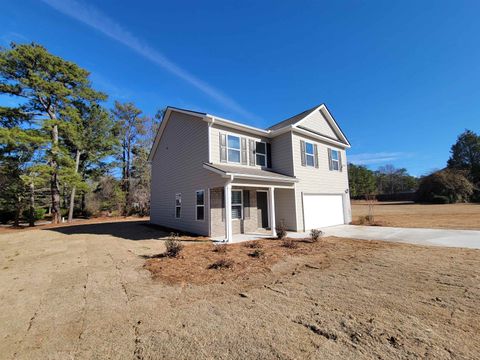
317	122
215	131
282	154
177	167
319	180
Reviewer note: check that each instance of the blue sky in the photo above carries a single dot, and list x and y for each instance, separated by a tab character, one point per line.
401	78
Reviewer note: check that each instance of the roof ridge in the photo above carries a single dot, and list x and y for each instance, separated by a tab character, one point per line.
293	119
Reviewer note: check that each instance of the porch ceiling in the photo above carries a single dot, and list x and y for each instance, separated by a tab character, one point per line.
240	172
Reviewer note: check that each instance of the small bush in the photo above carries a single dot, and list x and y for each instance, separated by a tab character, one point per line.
253	244
281	231
221	248
173	245
221	264
439	199
315	234
289	243
365	220
258	253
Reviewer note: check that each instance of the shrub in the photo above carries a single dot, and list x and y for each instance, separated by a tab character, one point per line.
365	220
315	234
289	243
221	264
220	248
39	214
445	187
258	253
253	244
173	246
281	231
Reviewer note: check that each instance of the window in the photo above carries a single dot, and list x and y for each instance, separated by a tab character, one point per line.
233	148
237	205
178	205
335	160
200	204
309	155
261	153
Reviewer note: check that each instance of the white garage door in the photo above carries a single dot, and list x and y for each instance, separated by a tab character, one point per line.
322	210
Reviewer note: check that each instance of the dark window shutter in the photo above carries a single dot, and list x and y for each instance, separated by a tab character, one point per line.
340	161
269	155
330	167
251	152
246	204
243	147
223	148
315	152
302	152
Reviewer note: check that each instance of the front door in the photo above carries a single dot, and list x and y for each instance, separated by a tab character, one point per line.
262	209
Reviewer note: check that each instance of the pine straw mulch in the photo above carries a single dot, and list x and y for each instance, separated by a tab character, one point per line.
194	264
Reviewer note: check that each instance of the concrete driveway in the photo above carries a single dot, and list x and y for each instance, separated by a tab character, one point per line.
437	237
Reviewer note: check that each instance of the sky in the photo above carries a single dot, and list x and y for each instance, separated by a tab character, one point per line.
401	78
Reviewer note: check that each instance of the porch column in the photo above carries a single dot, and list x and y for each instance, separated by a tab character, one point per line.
271	197
228	212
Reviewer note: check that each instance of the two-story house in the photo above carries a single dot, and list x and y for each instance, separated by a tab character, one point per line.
217	177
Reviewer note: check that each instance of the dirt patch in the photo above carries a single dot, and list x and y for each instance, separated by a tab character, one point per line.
402	214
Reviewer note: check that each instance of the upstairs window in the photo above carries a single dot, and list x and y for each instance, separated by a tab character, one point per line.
233	149
335	159
178	205
261	153
309	154
200	204
237	204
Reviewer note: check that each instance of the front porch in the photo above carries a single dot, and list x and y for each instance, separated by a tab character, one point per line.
246	204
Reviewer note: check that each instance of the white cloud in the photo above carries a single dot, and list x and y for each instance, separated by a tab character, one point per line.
92	17
375	158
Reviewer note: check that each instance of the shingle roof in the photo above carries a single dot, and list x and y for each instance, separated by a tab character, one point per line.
292	120
247	171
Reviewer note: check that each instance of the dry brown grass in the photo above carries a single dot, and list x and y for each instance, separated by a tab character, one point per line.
398	214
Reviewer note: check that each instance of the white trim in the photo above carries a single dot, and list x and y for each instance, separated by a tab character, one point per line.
271	198
263	185
197	206
210	140
237	126
320	137
228	211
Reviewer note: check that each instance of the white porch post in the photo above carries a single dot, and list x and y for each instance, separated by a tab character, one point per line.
271	197
228	212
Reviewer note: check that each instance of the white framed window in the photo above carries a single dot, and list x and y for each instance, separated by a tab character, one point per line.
233	148
200	205
335	160
261	153
309	154
178	205
237	204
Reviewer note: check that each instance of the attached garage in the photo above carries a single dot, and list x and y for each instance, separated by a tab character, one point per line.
321	210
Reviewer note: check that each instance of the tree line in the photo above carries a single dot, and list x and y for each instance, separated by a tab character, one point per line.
459	181
62	152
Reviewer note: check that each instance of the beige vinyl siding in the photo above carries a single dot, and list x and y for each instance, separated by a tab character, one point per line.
317	122
319	180
215	130
177	167
282	154
285	208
